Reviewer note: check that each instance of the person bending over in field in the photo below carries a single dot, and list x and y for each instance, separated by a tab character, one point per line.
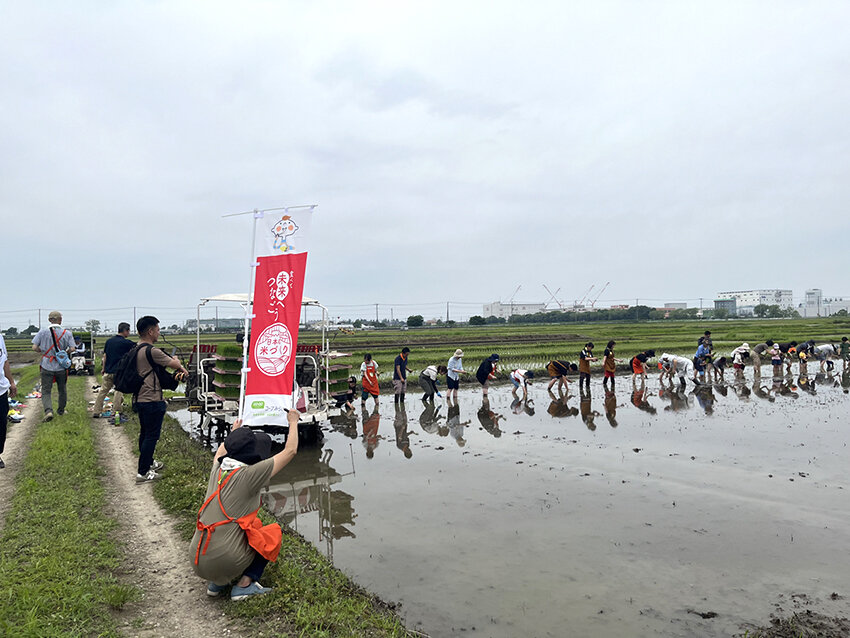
638	364
487	371
558	370
521	379
428	381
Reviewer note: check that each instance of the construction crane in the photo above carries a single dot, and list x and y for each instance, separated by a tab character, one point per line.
593	303
581	301
511	300
553	297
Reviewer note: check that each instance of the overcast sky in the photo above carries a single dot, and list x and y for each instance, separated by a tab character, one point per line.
456	150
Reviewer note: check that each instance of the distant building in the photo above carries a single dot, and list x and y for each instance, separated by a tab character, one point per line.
768	296
215	324
675	306
729	305
815	305
504	311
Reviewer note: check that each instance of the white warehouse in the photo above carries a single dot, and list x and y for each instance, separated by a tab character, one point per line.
768	296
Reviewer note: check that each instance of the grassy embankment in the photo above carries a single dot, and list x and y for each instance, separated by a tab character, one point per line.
312	598
26	378
56	552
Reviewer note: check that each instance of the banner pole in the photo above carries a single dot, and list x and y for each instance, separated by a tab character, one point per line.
249	312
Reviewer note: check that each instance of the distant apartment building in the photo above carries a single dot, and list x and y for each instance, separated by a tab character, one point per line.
747	300
816	305
506	310
676	306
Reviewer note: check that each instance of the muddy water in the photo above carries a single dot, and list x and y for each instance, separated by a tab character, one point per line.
626	514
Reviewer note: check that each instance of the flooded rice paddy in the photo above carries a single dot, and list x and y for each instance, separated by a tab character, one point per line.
654	513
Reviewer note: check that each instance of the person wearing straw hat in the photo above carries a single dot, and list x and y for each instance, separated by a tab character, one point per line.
455	368
230	542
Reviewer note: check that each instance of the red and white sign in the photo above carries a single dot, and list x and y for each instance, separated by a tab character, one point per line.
281	259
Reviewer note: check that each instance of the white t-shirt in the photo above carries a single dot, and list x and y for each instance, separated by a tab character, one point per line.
519	375
363	366
4	382
430	372
824	350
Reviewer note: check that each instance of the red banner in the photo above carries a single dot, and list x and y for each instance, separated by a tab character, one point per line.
281	262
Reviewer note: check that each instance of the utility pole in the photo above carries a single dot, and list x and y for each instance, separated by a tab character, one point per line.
376	314
636	309
39	318
134	318
391	315
447	312
216	318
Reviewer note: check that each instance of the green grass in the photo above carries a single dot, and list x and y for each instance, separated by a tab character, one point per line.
56	551
312	597
26	378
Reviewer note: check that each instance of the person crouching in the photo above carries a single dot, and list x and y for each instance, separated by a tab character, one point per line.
230	542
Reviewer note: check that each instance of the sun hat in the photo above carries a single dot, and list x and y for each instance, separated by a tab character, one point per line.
247	446
458	352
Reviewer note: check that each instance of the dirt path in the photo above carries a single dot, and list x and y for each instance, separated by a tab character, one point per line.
174	601
18	438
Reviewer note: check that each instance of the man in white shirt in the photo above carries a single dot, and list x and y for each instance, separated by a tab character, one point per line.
7	389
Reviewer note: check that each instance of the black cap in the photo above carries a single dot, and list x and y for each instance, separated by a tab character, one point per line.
247	446
494	357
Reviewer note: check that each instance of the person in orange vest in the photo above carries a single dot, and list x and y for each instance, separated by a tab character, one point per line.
369	380
230	542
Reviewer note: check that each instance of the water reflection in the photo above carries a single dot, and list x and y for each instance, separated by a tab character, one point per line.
455	425
402	436
304	490
371	423
639	398
488	419
705	398
675	395
430	418
559	408
610	405
588	414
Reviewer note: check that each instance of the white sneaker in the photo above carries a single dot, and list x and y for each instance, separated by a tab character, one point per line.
156	466
147	478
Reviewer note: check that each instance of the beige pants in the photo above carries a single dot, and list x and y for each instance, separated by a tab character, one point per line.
105	386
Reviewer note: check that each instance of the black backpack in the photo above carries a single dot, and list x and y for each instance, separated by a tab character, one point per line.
126	376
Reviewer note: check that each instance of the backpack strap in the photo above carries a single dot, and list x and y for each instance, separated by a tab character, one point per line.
136	363
55	346
153	367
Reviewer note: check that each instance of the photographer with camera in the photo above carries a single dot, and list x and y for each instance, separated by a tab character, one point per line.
151	364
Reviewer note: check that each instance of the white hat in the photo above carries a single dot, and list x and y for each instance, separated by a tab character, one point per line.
458	352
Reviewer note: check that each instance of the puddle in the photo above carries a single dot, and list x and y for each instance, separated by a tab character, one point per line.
639	513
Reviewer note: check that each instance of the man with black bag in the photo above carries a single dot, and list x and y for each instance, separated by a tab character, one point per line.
55	344
151	364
